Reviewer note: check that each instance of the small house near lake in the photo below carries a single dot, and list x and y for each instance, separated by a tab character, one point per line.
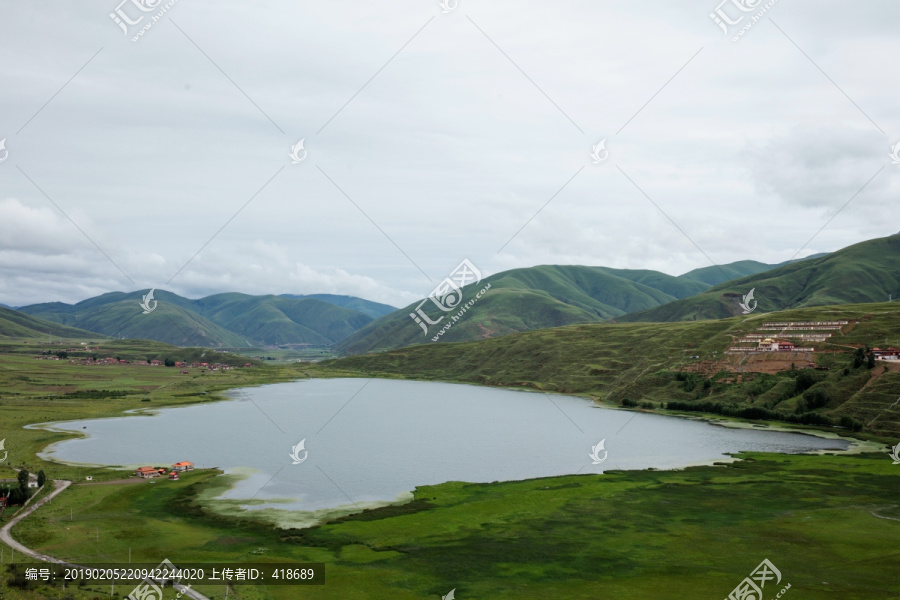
146	472
183	466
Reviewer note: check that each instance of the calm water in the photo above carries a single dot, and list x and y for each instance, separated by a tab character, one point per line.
370	442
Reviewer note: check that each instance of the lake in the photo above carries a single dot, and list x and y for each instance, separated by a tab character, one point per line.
372	441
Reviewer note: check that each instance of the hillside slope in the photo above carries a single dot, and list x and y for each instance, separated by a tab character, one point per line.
274	320
714	275
16	324
366	307
865	272
530	298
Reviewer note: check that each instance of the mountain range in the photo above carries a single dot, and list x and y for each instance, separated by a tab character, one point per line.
548	296
221	320
864	272
518	300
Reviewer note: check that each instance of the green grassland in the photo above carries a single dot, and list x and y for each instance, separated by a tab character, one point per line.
824	521
633	363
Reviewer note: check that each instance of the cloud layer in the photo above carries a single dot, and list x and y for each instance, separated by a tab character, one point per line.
432	137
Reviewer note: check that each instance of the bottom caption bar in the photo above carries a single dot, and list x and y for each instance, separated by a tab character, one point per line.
167	574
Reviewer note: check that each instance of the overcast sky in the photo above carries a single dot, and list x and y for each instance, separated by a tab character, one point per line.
431	137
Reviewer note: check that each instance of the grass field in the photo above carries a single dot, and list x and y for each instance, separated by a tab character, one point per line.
635	535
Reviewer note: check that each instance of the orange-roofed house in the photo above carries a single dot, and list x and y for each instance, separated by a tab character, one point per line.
183	466
173	476
146	472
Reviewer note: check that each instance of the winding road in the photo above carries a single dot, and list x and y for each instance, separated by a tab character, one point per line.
59	486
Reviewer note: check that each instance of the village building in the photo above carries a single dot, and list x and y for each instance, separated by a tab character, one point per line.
886	353
146	472
173	476
183	466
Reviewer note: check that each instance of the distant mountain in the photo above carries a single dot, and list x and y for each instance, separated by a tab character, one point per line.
714	275
281	319
531	298
366	307
221	320
19	325
865	272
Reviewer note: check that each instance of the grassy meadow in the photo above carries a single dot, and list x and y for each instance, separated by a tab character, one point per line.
829	523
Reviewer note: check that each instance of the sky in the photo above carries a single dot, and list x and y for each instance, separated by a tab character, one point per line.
431	134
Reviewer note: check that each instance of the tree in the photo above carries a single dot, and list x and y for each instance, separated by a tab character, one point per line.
23	479
169	362
870	361
62	354
858	358
42	478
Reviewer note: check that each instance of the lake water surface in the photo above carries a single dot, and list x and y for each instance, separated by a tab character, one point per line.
369	441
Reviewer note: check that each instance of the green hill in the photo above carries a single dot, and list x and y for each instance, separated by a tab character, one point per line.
221	320
530	298
274	320
714	275
366	307
16	324
119	315
865	272
650	365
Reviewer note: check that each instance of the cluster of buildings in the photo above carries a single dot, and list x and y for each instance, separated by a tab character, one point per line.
776	336
149	472
110	360
886	353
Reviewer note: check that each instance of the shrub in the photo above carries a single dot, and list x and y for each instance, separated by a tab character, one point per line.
805	380
815	398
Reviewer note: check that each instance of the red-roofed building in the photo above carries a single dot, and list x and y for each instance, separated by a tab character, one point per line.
173	476
146	472
183	466
886	354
